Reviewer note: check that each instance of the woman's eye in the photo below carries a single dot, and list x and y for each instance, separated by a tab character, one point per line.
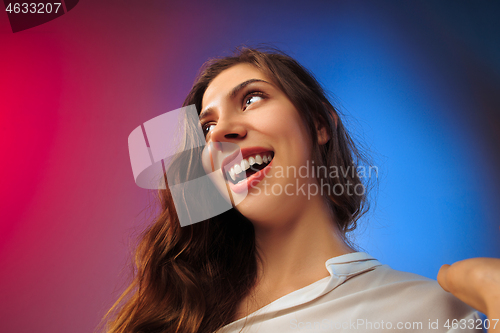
252	99
207	128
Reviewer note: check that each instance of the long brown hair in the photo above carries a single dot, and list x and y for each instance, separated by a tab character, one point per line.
191	279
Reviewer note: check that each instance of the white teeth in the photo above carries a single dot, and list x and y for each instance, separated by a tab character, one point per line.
237	169
245	165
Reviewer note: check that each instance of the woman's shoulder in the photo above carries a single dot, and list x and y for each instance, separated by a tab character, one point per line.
404	295
386	282
360	271
362	294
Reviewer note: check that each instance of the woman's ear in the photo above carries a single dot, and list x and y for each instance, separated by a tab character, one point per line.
335	116
322	133
322	130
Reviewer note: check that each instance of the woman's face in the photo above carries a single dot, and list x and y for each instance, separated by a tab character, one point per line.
243	107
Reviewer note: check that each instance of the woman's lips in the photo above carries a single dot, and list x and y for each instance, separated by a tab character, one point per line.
251	181
242	153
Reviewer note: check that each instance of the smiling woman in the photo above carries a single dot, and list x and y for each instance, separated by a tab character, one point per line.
280	259
252	112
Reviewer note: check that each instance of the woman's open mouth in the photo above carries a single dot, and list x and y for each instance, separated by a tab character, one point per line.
249	172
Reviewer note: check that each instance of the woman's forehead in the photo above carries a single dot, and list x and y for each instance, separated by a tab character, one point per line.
223	83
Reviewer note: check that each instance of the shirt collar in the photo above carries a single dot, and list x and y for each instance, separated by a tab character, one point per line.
350	264
341	269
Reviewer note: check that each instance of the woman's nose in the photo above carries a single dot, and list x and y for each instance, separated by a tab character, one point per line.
228	130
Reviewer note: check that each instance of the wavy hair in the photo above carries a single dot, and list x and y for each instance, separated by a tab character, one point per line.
191	279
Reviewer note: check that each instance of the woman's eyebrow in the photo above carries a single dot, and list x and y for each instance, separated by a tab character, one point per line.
207	112
242	85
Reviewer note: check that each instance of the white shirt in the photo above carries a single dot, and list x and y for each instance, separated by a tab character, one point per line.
362	295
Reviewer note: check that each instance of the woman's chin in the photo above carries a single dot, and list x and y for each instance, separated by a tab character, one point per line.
255	208
263	209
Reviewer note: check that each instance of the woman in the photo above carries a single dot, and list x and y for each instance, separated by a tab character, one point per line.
261	265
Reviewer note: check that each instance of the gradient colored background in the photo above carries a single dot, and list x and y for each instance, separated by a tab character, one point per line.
419	80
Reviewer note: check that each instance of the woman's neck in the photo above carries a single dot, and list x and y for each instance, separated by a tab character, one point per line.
293	253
